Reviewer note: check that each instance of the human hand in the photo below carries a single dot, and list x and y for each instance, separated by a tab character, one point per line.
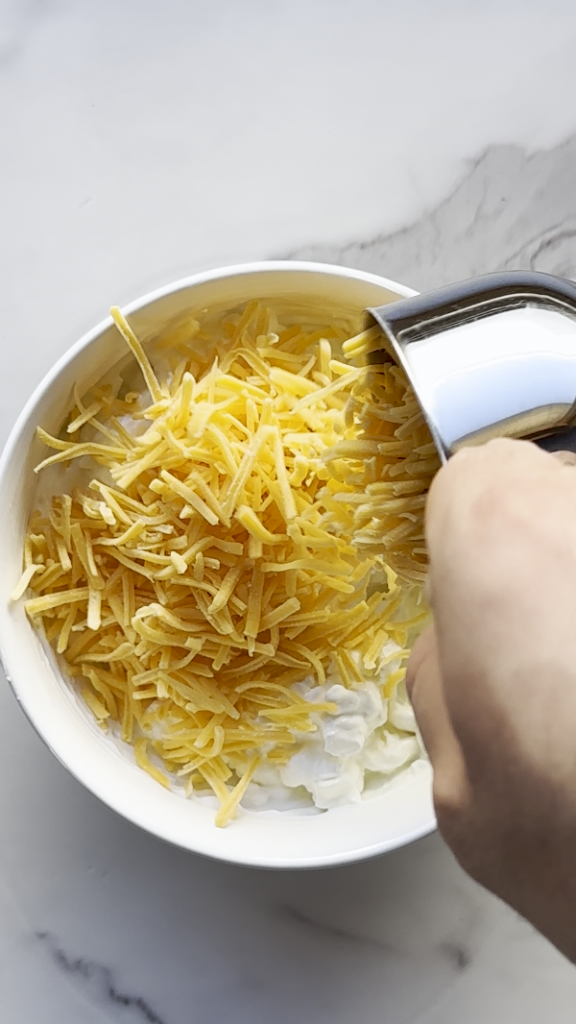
493	681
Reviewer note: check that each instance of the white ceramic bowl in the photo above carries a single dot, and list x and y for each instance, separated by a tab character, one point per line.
391	818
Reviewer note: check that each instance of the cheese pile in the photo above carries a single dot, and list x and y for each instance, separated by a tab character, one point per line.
220	551
387	469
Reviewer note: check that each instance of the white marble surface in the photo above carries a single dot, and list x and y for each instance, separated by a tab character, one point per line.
139	141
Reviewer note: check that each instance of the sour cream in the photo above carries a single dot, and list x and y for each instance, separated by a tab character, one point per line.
367	737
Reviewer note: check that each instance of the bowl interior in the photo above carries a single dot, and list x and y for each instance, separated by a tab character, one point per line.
389	818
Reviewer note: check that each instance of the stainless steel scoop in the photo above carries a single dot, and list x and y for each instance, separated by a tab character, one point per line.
491	357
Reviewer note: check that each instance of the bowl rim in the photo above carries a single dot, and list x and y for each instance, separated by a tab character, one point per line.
6	457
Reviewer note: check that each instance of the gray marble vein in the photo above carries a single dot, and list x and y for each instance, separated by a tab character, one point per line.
334	932
18	20
512	209
458	954
99	985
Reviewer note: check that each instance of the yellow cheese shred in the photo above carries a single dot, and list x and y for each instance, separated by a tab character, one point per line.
227	545
385	470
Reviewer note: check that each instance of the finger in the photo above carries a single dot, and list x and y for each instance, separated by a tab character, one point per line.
426	692
565	458
500	463
451	787
484	469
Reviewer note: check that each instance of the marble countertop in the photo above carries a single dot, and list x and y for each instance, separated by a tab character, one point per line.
142	141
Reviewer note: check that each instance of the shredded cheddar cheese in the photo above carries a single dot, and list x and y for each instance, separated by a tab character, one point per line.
225	549
386	470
